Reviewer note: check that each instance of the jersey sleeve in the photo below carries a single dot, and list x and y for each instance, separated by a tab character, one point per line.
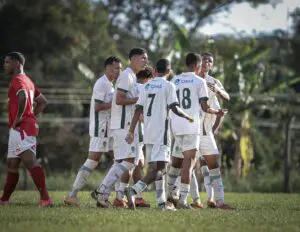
219	84
203	92
124	83
172	97
99	91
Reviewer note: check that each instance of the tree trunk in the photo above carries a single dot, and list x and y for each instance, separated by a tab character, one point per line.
287	154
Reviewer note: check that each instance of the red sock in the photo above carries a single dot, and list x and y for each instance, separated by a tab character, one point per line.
38	176
12	179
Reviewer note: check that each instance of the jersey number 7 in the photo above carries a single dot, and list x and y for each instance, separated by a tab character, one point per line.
152	96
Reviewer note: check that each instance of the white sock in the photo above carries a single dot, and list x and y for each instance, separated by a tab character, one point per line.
208	187
121	189
114	173
139	187
172	176
82	175
184	192
176	188
117	184
160	190
217	185
194	189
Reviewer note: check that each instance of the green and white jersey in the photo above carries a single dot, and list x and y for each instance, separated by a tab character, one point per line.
155	98
99	121
121	115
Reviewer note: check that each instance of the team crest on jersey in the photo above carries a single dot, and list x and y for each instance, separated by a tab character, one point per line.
177	148
147	86
18	149
104	144
177	82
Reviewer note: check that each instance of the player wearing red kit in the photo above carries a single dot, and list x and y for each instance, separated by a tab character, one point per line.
25	102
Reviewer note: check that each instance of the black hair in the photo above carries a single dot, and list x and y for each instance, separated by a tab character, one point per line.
207	54
136	51
111	60
162	65
192	58
146	73
17	56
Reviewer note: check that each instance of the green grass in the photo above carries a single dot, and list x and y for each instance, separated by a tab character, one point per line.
254	212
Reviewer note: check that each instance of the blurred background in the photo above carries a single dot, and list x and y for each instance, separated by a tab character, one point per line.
256	44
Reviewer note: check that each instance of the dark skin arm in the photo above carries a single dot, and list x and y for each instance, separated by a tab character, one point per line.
206	108
122	99
179	112
136	117
22	97
221	92
40	104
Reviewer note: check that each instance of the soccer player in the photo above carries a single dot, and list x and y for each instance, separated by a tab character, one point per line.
99	130
156	98
208	147
122	111
23	128
143	77
192	94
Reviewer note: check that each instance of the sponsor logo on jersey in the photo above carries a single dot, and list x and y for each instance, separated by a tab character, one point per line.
182	81
153	86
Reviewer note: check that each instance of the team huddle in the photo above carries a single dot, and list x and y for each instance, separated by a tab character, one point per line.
172	119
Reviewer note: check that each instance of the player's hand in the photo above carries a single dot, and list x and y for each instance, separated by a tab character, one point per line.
213	87
129	138
221	112
190	119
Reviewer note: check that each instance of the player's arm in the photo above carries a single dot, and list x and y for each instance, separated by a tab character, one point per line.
218	88
136	117
207	109
179	112
22	102
40	103
122	99
101	105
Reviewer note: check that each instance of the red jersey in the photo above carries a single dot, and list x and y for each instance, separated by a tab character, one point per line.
28	121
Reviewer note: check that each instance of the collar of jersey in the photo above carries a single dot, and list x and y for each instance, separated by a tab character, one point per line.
162	77
188	73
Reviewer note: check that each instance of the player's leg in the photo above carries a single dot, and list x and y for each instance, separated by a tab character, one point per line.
119	202
175	170
216	180
81	179
194	191
186	174
38	176
12	178
208	187
124	155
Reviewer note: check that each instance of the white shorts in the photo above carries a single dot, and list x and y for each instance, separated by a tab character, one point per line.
155	152
98	144
18	143
184	143
208	145
123	150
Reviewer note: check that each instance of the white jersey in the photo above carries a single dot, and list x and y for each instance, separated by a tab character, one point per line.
155	98
121	115
190	88
213	102
99	121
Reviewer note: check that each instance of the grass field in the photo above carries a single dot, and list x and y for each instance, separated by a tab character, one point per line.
254	212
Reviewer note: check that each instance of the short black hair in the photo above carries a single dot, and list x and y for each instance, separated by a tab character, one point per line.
17	56
146	73
136	51
207	54
111	60
162	65
192	58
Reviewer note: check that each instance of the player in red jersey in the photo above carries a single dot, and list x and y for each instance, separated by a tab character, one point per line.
25	102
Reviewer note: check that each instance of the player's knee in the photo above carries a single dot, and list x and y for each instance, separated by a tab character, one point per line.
12	165
176	162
